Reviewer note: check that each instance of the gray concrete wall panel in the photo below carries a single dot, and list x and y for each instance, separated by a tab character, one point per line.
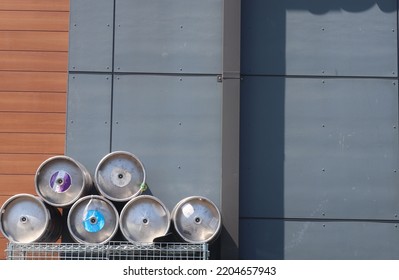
169	36
319	148
173	124
91	35
313	240
89	118
332	38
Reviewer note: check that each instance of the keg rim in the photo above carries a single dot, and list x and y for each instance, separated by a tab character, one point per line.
132	201
190	198
100	164
99	197
78	195
24	195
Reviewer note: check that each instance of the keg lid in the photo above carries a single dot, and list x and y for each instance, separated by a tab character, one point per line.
92	219
120	176
196	219
61	180
144	218
24	218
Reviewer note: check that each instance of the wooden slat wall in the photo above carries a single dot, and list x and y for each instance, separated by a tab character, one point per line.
33	101
16	122
3	244
12	184
33	61
33	84
33	81
33	41
3	241
34	20
34	5
21	164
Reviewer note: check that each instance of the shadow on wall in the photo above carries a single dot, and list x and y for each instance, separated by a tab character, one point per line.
262	124
324	6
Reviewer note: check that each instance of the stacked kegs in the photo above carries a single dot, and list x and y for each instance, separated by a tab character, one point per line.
90	206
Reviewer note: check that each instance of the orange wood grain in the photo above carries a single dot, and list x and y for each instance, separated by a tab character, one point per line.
34	20
27	143
32	122
3	198
37	5
33	81
33	102
3	240
33	85
34	61
20	164
18	183
33	41
3	246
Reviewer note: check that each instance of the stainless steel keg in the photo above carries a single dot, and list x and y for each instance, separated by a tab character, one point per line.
60	181
196	219
25	218
120	176
93	219
144	218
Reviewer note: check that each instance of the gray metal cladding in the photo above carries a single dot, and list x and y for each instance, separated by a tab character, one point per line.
173	124
170	95
341	148
323	148
89	118
333	38
319	130
313	240
169	36
91	35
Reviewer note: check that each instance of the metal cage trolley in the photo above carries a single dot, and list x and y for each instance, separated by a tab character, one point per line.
114	250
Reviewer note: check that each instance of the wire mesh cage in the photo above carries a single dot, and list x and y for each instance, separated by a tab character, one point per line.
115	250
